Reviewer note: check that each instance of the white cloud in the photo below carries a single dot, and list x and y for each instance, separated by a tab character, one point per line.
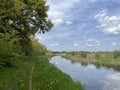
55	44
114	43
89	45
92	42
76	44
84	37
93	1
42	37
111	82
58	22
108	24
61	10
89	40
68	22
60	35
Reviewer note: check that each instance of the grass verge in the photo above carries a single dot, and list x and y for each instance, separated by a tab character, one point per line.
48	77
45	76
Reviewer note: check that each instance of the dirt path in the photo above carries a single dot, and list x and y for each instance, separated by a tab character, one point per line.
20	74
30	80
12	85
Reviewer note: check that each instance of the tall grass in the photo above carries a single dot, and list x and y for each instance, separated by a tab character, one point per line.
108	59
48	77
8	74
45	76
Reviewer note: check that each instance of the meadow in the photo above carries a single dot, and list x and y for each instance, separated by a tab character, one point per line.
109	59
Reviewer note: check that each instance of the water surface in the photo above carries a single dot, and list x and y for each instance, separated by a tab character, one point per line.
91	77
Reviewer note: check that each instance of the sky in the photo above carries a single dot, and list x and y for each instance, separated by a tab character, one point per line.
83	25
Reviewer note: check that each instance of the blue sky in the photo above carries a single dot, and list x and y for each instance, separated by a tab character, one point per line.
83	25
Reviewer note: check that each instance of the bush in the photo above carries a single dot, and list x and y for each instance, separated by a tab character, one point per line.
83	54
8	49
116	54
73	53
38	48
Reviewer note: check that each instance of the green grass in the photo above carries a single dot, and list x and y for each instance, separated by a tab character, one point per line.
45	76
23	83
8	74
98	58
48	77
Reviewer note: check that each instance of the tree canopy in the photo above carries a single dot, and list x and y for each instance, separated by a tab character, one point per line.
19	20
23	18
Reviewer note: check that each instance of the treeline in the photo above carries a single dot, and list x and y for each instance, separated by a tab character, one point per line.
20	20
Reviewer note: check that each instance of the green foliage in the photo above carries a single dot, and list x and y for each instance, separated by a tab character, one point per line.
108	59
9	49
19	20
48	77
44	76
21	71
83	54
38	49
24	18
72	53
116	54
97	55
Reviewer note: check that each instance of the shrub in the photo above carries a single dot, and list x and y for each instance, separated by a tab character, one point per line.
8	49
116	54
83	54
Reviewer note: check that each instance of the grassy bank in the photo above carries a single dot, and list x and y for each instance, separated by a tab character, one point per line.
45	76
107	59
48	77
17	76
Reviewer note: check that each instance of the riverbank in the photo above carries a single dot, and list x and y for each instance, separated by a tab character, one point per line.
99	59
90	76
48	77
45	76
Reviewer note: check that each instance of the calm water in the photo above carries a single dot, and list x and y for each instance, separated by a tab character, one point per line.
91	77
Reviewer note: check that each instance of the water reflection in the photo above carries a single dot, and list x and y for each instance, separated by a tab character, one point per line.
90	76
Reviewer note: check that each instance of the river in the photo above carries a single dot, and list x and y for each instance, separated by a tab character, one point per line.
90	76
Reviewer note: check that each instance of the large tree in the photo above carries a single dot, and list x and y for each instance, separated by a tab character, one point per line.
23	18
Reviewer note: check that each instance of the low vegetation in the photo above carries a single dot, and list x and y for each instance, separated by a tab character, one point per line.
48	77
11	77
109	59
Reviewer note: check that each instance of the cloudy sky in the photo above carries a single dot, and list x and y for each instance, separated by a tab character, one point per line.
90	25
